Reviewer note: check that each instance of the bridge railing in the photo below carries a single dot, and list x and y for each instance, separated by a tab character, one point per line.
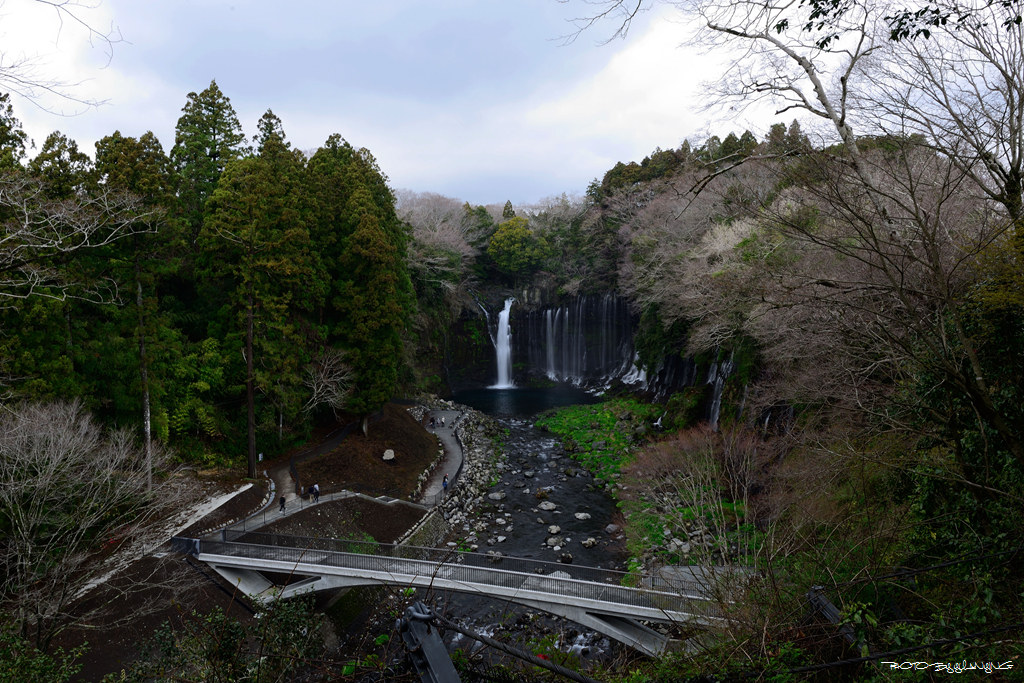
575	581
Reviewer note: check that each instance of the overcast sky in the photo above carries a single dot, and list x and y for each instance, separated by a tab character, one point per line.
475	99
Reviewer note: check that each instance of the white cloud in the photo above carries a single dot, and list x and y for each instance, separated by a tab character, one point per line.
645	95
503	112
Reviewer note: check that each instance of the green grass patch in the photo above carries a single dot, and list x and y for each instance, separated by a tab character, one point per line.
601	436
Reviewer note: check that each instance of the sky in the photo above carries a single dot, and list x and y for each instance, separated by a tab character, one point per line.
481	100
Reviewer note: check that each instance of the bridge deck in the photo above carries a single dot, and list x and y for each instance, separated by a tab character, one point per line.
528	581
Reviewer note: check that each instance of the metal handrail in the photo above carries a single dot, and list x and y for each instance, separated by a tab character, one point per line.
517	573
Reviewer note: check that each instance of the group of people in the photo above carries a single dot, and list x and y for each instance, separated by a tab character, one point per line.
434	422
314	494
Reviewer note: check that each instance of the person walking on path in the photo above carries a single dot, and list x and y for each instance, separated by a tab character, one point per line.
444	485
281	507
316	493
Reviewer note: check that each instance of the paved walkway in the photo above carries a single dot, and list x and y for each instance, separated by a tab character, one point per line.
452	462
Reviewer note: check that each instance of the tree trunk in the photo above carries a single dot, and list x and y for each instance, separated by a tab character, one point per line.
147	436
250	389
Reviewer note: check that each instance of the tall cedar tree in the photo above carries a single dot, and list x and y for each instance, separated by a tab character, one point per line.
375	300
12	137
208	137
368	299
255	249
62	167
362	244
139	165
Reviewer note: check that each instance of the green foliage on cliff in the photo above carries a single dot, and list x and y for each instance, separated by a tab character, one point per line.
516	250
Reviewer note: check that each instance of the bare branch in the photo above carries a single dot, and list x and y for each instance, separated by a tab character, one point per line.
329	379
69	496
25	76
40	234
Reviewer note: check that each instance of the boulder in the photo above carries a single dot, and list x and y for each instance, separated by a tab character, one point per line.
389	454
677	546
547	506
554	529
582	516
496	495
590	542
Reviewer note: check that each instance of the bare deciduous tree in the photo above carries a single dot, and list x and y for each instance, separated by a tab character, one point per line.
895	221
963	90
70	496
329	379
40	234
440	253
26	74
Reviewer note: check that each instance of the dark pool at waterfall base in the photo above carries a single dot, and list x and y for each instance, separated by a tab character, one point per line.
536	470
523	402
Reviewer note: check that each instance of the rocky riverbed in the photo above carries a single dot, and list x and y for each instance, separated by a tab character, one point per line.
519	495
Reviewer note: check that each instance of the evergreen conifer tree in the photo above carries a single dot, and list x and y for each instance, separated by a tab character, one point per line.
208	136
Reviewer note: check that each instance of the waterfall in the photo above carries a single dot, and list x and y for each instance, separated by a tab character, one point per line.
586	341
549	344
503	348
635	374
717	374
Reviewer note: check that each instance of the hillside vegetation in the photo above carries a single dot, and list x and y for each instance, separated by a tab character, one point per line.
863	276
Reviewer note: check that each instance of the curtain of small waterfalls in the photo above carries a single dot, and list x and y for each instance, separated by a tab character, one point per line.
588	341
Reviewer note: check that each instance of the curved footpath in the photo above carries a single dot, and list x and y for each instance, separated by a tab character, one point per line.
282	483
453	456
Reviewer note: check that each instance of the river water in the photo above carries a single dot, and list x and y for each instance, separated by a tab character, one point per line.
540	487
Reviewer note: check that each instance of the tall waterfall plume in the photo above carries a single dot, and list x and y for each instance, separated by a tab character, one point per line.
503	348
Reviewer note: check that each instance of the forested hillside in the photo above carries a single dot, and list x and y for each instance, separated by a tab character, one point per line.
864	283
216	296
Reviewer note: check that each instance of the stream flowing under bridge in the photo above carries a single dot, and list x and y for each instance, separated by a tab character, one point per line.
267	566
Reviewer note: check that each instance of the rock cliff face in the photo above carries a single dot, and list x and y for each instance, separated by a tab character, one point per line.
469	353
585	340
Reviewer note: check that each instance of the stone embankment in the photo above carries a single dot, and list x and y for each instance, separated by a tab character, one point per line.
481	464
478	465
